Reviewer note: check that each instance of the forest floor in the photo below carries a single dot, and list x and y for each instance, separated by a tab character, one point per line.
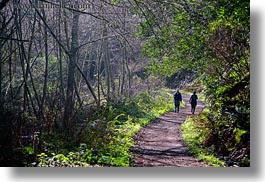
161	144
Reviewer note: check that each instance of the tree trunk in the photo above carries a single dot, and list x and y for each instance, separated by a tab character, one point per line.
46	65
106	59
69	107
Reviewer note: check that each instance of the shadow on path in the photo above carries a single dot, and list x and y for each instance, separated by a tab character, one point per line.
161	144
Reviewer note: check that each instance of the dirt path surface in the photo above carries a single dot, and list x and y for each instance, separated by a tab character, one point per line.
161	144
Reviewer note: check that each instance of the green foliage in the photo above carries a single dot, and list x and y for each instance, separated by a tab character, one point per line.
113	2
212	39
238	134
154	103
194	134
61	160
28	150
176	45
107	139
207	136
120	121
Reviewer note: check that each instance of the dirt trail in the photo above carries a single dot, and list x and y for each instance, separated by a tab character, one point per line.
161	144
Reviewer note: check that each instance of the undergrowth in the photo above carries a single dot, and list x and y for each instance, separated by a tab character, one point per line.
195	132
106	138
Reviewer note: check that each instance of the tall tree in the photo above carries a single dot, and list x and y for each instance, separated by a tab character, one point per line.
69	107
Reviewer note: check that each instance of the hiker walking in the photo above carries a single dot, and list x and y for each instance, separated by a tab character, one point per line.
193	101
177	100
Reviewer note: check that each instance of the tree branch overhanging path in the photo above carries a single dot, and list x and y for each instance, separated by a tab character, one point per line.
161	144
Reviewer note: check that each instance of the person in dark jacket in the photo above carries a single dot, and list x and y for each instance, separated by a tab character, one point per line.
193	101
177	100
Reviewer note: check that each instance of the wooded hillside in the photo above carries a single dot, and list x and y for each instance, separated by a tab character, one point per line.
79	78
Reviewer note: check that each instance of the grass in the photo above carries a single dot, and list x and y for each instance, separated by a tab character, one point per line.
146	108
194	133
109	136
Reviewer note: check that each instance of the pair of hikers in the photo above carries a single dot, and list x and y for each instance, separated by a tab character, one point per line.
178	99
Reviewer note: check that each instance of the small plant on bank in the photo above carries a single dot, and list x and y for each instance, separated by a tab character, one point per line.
194	132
